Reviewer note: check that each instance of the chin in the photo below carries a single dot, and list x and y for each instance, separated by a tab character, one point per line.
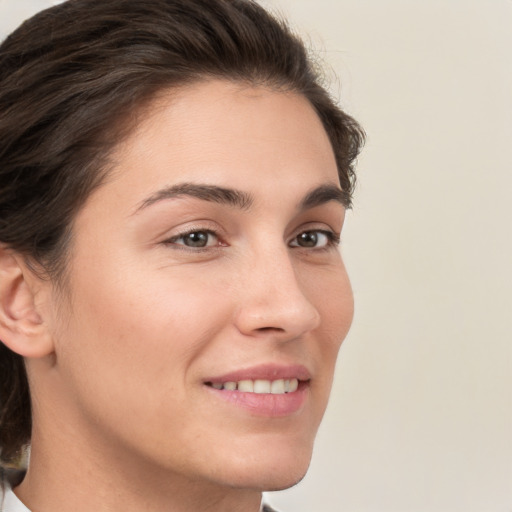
269	479
281	469
280	483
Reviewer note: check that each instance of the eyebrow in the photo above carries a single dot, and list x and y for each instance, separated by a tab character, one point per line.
324	194
212	193
240	199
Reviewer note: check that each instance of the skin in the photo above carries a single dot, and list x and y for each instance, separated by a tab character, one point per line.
122	417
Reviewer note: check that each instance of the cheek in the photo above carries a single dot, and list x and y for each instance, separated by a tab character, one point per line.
141	332
130	350
331	293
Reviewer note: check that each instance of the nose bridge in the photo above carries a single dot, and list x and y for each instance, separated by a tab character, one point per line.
272	297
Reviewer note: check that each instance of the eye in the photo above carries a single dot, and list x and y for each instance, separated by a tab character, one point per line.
197	239
315	239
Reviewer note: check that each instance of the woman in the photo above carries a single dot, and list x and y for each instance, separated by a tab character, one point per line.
173	185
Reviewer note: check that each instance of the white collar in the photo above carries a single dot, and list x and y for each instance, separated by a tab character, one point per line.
9	502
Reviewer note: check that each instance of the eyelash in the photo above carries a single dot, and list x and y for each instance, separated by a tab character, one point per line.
333	240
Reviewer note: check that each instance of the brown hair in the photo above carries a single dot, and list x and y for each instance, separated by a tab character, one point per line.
72	76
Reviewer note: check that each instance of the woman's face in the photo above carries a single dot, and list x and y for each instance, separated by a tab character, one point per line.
208	262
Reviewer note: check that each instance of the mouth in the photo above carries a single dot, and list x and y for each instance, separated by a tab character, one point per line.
268	390
259	386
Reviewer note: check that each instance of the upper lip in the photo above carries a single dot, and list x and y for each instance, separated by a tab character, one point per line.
264	372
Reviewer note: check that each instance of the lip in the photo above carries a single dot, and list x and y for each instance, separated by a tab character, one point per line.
264	404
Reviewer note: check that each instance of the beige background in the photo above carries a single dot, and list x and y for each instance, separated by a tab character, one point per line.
421	414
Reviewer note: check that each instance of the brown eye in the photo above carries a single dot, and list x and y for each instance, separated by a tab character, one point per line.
314	239
196	239
307	239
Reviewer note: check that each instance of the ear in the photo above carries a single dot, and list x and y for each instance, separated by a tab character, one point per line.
22	328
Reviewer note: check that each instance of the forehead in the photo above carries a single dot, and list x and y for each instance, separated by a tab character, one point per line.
227	134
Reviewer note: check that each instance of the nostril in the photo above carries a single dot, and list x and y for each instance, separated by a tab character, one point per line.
270	329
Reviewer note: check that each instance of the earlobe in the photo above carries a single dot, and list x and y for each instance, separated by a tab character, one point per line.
22	328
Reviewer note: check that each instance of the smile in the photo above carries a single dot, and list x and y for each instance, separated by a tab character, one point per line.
266	390
259	386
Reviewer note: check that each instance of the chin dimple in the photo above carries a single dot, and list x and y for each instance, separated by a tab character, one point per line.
259	386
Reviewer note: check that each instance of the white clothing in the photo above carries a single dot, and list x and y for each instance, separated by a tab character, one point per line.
11	503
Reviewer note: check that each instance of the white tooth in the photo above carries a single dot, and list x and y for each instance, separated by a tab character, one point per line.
294	384
286	385
230	386
217	385
277	387
262	386
246	386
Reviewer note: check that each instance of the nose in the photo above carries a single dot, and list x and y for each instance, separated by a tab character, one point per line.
272	302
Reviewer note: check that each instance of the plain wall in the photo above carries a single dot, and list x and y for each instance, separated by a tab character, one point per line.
421	413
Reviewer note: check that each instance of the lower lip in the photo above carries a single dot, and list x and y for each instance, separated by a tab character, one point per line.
265	404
